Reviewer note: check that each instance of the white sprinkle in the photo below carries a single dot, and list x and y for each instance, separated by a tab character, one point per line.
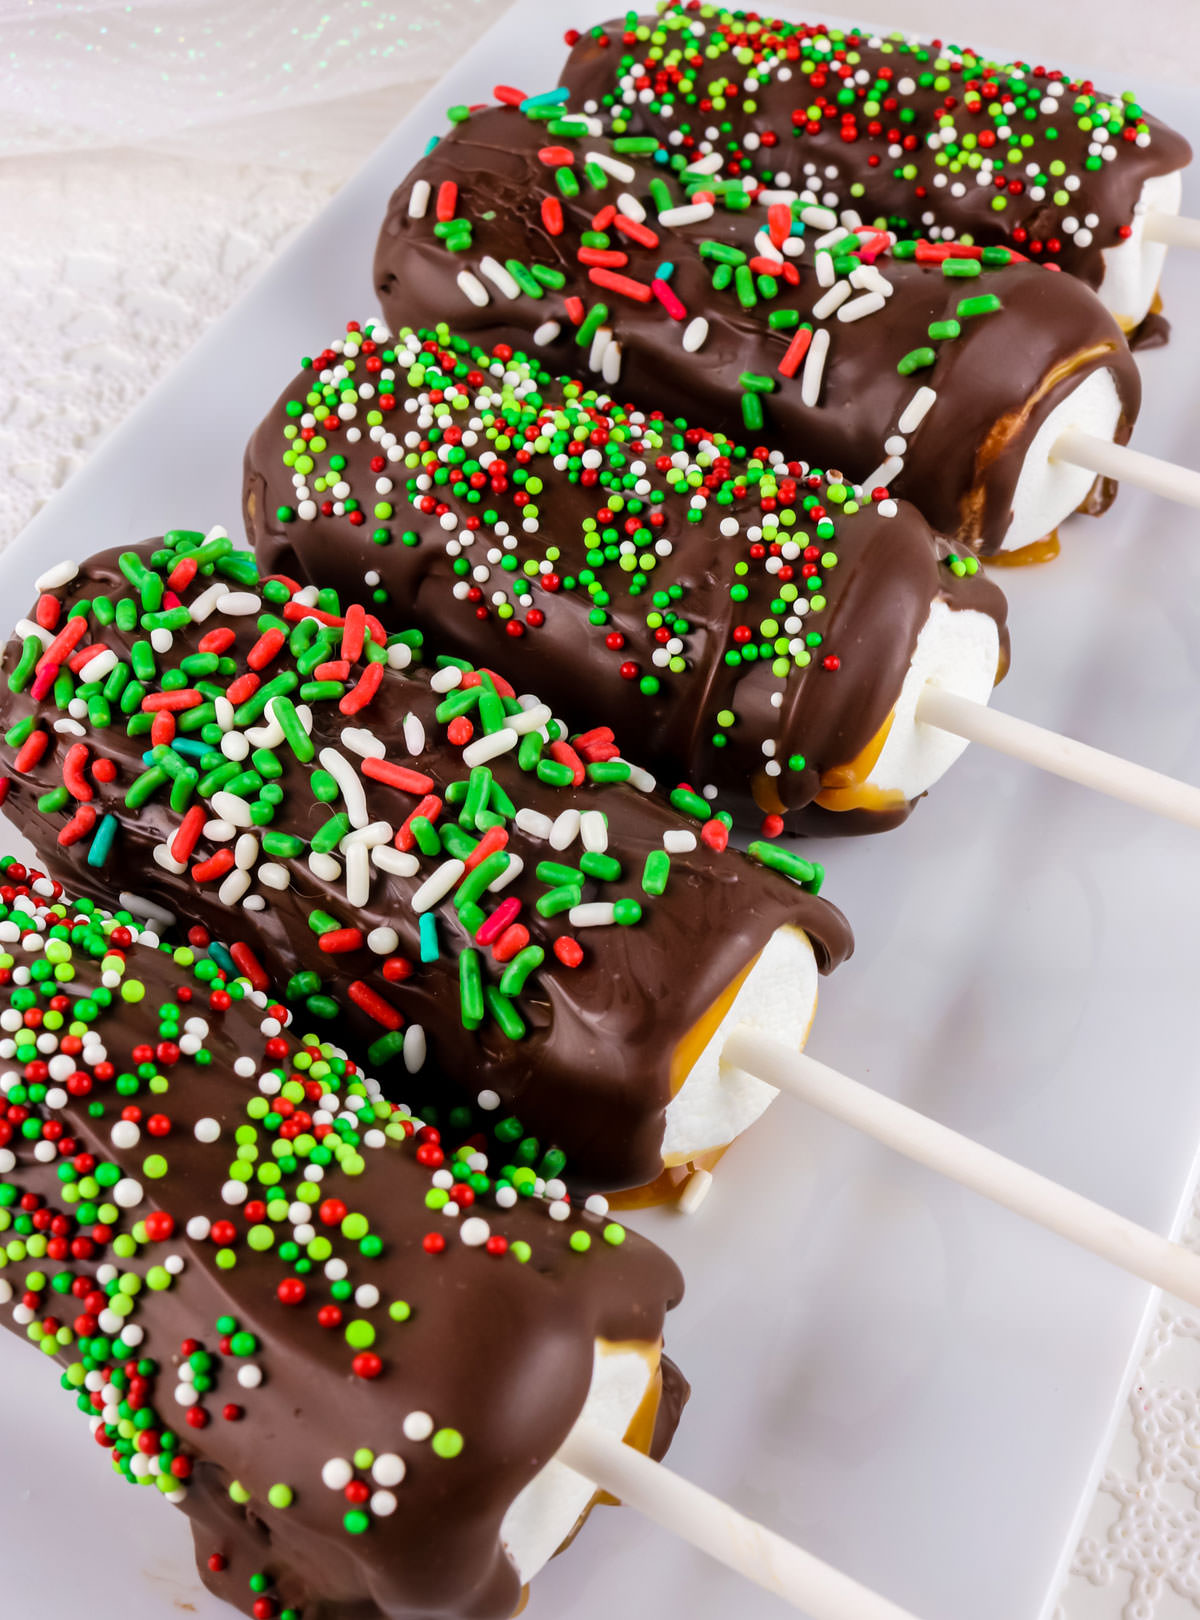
688	214
239	604
445	680
474	289
630	207
162	856
532	719
417	1426
418	202
593	828
245	852
399	655
533	823
207	1129
640	778
830	301
600	343
127	1193
234	1192
383	1504
383	941
201	607
324	866
885	473
362	742
274	876
610	364
474	1232
375	832
709	164
546	333
250	1377
916	410
26	628
437	885
198	1228
814	367
821	219
499	276
358	875
830	239
857	308
399	862
55	578
694	334
233	887
558	1210
565	829
679	841
125	1134
337	1472
696	1190
489	746
413	1051
348	779
592	914
624	172
98	666
488	1100
146	908
414	734
233	808
509	875
388	1469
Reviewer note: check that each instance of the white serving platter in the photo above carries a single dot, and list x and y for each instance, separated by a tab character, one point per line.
916	1386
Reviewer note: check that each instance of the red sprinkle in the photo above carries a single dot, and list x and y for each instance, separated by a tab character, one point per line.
31	750
715	834
495	838
364	690
510	96
513	939
639	291
430	807
214	867
80	824
399	777
635	231
566	755
187	835
369	1001
505	913
337	941
552	215
352	632
795	351
265	648
74	766
447	200
249	966
569	951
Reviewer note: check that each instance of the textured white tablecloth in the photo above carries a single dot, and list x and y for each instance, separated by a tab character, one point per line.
154	157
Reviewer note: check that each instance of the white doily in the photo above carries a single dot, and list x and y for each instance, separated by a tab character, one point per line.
116	257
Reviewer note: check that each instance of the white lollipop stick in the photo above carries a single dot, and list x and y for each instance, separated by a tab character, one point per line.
1132	1247
1165	478
721	1531
1172	229
1061	756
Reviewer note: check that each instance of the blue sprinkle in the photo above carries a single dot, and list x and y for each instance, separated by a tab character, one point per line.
665	271
546	98
430	950
223	959
102	843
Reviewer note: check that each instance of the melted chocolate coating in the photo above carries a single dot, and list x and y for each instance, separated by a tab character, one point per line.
880	574
591	1071
498	1350
908	185
995	383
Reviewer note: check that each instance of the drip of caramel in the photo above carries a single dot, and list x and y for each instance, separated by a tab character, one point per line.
1037	551
845	787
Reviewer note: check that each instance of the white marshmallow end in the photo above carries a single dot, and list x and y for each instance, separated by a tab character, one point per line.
548	1509
959	650
716	1102
1132	268
1049	491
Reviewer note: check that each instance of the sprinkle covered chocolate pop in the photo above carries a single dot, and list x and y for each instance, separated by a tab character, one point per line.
433	867
297	1311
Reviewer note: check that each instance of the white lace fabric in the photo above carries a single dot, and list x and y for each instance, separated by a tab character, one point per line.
152	158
